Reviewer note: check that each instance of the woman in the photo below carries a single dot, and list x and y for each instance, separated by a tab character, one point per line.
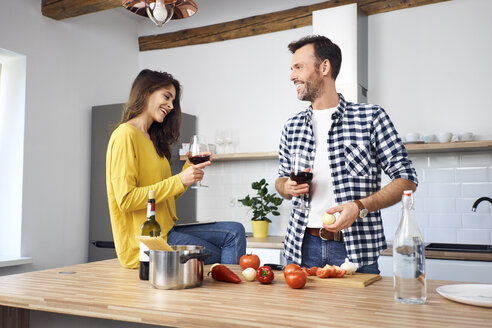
137	161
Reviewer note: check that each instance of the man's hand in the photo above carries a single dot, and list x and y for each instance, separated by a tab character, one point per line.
349	212
288	188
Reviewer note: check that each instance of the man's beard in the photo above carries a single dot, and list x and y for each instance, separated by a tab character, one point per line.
312	90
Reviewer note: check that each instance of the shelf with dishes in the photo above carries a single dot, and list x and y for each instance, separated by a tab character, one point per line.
478	145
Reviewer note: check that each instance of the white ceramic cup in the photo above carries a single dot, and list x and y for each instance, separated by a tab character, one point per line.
465	136
430	138
444	136
412	137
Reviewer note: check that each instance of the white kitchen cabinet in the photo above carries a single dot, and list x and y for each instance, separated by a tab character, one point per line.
454	270
267	255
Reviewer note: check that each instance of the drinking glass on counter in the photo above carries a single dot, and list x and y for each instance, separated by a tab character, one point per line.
301	162
198	153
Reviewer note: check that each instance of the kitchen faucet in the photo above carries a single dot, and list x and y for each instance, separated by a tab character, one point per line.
478	201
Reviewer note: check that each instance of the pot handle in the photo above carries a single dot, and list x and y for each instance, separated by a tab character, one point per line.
199	256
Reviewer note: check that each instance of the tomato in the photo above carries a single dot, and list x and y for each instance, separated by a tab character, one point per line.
340	273
296	279
264	274
312	271
291	268
326	272
306	271
249	261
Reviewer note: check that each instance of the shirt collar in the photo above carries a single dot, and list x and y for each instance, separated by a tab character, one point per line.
338	114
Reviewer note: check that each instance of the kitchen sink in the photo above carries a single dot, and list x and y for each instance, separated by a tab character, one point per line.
468	248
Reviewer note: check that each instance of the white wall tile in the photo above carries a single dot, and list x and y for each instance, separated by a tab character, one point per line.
444	160
471	174
439	205
444	190
477	221
422	191
438	175
476	159
464	205
445	220
476	189
440	235
474	236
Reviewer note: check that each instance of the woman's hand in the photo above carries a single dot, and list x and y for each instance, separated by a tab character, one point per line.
193	173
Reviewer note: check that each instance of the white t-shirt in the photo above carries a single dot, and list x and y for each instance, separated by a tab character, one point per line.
322	195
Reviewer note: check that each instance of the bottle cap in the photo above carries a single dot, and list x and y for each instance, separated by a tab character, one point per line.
151	194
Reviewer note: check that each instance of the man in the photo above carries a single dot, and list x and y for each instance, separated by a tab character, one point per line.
348	145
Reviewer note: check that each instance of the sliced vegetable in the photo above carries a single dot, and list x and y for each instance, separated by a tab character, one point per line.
249	274
339	272
313	270
349	266
326	272
264	274
222	273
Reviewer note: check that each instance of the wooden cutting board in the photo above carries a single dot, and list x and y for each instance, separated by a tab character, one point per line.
355	280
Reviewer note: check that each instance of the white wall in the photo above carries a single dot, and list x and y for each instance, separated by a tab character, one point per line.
429	66
72	65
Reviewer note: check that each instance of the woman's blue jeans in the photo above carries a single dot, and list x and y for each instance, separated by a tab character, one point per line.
224	241
317	253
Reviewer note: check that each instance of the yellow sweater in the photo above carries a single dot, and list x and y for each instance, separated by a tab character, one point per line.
133	167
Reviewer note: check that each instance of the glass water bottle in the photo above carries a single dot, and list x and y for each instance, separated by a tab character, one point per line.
409	256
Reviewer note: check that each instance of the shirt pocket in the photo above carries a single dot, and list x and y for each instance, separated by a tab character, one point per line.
358	159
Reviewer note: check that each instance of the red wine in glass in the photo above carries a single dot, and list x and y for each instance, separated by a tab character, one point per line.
198	153
301	164
199	159
301	177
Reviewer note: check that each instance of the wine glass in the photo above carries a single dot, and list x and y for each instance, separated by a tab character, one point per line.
301	163
198	153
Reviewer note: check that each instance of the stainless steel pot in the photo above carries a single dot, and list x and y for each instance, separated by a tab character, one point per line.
177	269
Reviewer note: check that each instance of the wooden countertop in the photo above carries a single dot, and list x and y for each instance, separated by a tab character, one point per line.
106	290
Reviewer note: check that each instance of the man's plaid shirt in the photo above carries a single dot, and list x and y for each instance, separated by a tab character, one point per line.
362	141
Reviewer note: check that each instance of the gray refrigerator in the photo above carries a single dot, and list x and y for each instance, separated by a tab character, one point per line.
104	120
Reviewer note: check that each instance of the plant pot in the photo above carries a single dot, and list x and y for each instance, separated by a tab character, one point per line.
260	229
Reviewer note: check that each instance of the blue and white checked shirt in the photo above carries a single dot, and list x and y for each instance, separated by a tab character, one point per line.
362	141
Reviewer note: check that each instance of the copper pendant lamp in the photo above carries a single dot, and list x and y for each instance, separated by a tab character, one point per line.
161	11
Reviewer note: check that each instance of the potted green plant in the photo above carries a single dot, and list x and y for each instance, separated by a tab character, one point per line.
262	205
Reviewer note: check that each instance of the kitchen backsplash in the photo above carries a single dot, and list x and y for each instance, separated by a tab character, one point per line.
449	184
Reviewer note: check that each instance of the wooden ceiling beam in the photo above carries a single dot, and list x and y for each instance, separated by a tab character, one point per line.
244	27
61	9
267	23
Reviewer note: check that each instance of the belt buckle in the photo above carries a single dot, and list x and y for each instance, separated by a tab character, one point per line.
336	235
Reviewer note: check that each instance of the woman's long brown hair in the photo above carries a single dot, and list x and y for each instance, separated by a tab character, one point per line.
164	134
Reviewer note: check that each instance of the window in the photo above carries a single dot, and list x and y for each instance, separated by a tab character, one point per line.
12	114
